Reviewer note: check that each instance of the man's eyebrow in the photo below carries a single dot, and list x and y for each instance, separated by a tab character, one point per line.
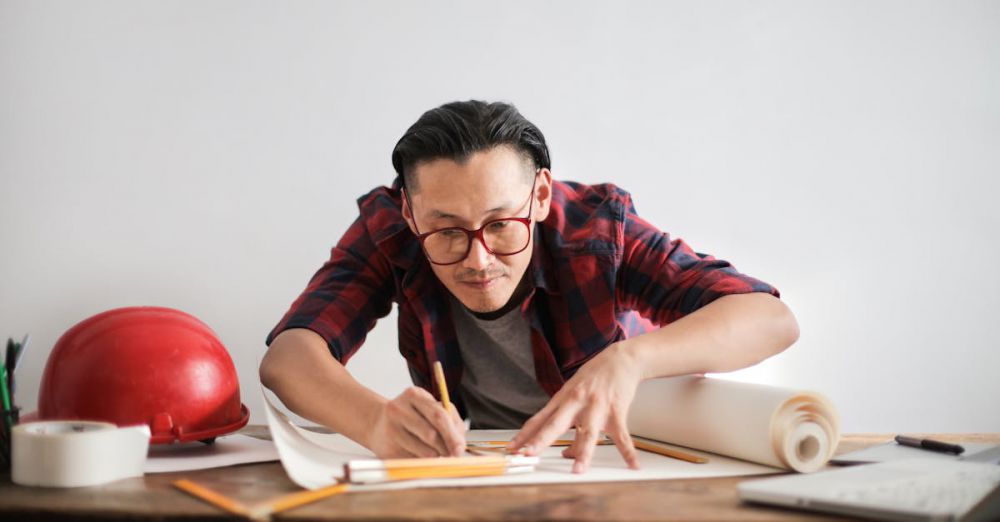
438	214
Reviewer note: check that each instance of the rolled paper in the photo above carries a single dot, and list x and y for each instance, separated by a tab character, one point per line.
775	426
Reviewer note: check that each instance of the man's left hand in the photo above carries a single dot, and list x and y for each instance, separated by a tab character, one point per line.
595	399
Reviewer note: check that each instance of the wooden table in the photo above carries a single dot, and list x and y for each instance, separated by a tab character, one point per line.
152	497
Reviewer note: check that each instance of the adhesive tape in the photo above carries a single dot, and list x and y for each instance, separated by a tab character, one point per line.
76	453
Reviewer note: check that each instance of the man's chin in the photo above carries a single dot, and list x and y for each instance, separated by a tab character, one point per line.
483	303
481	306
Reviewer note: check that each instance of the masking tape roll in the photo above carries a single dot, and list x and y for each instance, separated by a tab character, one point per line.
76	453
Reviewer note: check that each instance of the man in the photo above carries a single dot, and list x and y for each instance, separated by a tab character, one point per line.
539	298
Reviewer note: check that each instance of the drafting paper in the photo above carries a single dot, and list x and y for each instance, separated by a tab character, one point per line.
228	450
314	460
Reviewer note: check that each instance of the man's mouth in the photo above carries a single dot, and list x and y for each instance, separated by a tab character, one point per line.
481	284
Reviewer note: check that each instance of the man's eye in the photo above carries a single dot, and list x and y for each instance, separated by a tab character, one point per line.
449	233
498	225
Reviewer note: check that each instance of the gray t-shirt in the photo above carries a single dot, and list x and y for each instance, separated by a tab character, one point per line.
498	382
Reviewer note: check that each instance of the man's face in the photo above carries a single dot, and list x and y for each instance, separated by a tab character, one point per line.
491	185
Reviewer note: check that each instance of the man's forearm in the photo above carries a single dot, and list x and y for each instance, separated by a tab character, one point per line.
732	332
298	368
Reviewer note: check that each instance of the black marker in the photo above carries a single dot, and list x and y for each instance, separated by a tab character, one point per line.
928	444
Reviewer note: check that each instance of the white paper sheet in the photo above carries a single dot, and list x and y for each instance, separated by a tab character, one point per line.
228	450
314	460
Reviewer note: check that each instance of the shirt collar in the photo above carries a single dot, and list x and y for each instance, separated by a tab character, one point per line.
542	270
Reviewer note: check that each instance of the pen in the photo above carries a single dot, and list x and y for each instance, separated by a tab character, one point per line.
9	354
5	399
20	350
11	358
928	444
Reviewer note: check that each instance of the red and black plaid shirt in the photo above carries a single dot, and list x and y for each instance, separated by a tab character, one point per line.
599	272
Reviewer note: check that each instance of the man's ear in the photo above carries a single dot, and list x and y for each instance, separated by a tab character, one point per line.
407	213
543	195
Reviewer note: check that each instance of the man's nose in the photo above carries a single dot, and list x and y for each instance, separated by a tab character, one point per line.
479	258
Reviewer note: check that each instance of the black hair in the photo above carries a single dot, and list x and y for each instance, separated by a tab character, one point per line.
458	130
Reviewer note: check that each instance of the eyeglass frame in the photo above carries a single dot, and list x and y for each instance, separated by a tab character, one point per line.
477	233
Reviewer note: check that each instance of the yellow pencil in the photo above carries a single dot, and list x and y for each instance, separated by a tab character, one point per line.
555	443
216	499
430	462
373	470
470	471
294	500
442	385
667	452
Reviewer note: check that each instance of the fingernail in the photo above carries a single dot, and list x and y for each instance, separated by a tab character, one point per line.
578	467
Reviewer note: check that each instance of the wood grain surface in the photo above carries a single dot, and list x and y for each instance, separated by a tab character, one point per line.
153	498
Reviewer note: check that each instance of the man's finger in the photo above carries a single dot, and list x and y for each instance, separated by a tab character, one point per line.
623	441
415	423
452	439
411	445
586	438
555	425
459	424
531	426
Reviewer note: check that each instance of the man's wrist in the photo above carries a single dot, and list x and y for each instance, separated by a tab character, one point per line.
632	354
371	422
653	357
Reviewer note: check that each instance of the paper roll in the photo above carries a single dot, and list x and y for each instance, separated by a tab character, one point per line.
76	453
775	426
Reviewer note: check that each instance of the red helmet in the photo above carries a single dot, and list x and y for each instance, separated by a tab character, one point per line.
144	365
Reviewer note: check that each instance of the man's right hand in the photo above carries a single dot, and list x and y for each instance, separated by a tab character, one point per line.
415	425
298	368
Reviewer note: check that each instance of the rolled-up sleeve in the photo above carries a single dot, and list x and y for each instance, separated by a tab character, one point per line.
664	279
345	297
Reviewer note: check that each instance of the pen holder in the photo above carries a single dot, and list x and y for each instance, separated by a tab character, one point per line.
8	420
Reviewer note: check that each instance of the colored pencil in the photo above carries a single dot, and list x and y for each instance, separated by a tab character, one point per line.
373	470
260	510
442	385
481	447
294	500
371	476
667	452
216	499
555	443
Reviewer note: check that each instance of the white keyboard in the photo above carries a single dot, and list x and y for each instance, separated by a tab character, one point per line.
941	492
913	489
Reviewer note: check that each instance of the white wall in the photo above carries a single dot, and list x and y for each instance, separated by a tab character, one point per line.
206	155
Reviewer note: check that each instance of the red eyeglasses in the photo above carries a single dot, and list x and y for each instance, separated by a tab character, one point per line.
500	237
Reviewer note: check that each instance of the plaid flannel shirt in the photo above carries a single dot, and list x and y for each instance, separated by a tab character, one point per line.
599	274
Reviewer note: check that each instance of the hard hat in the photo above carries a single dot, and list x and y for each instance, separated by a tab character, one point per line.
144	365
